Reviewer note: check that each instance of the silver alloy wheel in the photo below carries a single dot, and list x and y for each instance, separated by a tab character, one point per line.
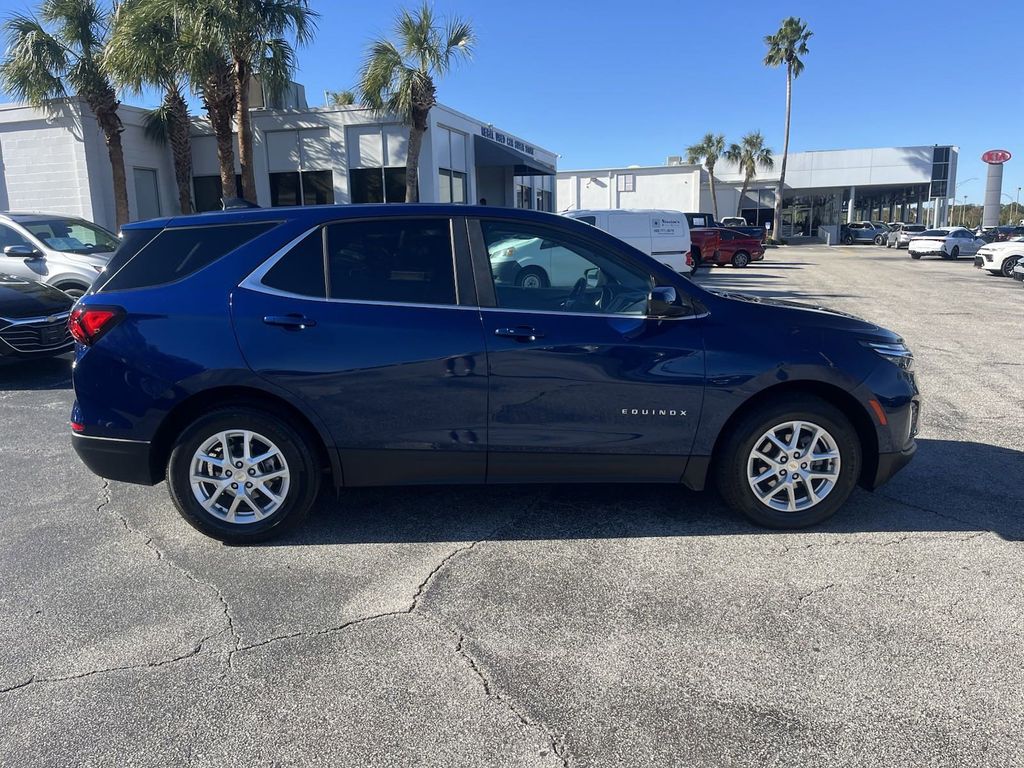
793	466
239	476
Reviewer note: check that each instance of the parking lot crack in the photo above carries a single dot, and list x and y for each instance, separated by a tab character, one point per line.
149	543
815	591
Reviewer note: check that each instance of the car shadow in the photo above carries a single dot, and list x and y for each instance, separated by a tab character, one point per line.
940	491
34	375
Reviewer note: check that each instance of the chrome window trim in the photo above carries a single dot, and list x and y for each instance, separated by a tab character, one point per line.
40	319
556	313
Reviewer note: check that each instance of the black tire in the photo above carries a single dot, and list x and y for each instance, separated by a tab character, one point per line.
1006	270
733	454
740	259
954	254
879	240
535	276
915	255
73	290
848	240
296	448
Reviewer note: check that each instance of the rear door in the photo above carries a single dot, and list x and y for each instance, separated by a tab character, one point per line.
384	344
583	385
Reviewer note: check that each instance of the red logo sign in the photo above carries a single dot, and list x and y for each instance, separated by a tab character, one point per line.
996	156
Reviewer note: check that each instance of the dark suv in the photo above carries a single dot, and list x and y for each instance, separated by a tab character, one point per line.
249	356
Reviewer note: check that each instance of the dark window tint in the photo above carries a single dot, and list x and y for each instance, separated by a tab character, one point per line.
394	185
176	253
366	185
400	260
317	188
208	192
284	189
9	237
301	270
132	241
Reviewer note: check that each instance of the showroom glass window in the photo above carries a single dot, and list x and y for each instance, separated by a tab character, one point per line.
376	161
406	261
450	157
300	166
540	269
207	192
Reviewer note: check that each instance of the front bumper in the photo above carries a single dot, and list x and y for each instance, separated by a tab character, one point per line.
129	461
889	464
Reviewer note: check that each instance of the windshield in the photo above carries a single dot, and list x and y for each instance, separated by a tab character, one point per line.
72	235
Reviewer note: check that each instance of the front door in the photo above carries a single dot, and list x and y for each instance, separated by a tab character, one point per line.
380	346
583	385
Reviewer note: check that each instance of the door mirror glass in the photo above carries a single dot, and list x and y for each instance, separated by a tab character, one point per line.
664	302
20	251
593	277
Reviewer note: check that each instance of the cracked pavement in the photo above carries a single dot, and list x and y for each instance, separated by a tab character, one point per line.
548	626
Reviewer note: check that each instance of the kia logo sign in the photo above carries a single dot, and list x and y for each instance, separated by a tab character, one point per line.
996	156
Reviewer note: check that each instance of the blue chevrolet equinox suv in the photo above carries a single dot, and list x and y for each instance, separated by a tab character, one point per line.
249	357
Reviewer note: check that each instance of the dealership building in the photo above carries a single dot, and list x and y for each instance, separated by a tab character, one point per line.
57	162
823	189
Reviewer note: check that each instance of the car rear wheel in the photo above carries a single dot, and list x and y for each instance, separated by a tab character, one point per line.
848	240
1007	269
915	255
790	464
740	259
954	254
242	475
532	277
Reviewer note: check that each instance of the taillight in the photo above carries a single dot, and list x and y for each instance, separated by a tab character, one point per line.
87	324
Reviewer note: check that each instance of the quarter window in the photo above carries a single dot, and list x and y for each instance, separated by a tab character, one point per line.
536	268
407	261
301	270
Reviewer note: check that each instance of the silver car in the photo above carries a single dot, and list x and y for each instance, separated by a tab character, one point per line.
900	234
61	251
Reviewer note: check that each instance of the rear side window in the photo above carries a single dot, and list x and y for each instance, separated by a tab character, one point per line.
301	270
407	261
177	253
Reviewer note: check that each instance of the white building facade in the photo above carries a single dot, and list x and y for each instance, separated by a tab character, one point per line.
58	162
824	189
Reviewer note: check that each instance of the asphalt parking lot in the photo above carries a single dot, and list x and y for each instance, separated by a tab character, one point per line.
549	626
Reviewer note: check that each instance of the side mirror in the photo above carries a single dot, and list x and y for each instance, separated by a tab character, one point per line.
21	251
664	302
593	277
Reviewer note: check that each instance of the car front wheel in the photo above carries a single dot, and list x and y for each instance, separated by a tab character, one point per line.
790	464
1007	269
242	475
532	277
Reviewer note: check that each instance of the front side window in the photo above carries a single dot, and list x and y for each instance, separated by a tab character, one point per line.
536	268
9	237
72	235
406	261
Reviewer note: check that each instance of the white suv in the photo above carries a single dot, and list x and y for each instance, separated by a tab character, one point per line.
61	251
999	258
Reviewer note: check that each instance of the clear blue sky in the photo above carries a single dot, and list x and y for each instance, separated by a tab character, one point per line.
609	84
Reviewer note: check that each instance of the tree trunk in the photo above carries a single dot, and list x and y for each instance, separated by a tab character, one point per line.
245	151
777	220
714	194
743	193
412	158
220	103
181	146
104	105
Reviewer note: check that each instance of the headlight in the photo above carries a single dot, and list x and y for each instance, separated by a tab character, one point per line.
898	354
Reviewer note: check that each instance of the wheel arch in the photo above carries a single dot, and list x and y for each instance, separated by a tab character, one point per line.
696	476
185	412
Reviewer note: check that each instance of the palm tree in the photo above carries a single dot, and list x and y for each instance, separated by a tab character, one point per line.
145	49
749	155
786	47
43	67
397	78
708	151
341	98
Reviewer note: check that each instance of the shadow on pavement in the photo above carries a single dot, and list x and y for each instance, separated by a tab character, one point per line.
32	375
949	487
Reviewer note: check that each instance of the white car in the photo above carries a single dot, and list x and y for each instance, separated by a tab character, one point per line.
529	263
1000	258
947	242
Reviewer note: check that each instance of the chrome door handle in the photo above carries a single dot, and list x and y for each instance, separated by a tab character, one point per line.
295	322
520	333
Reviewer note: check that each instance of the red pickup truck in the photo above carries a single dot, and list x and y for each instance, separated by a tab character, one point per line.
717	246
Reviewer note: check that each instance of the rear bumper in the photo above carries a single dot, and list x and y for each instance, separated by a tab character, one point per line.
127	461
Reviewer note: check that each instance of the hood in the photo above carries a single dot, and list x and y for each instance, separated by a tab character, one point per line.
91	259
806	315
20	298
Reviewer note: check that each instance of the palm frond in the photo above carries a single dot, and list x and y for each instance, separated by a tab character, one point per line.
35	64
276	67
156	124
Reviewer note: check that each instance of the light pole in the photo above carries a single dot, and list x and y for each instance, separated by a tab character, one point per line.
952	215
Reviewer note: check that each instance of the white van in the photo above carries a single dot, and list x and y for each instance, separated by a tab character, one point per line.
663	234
